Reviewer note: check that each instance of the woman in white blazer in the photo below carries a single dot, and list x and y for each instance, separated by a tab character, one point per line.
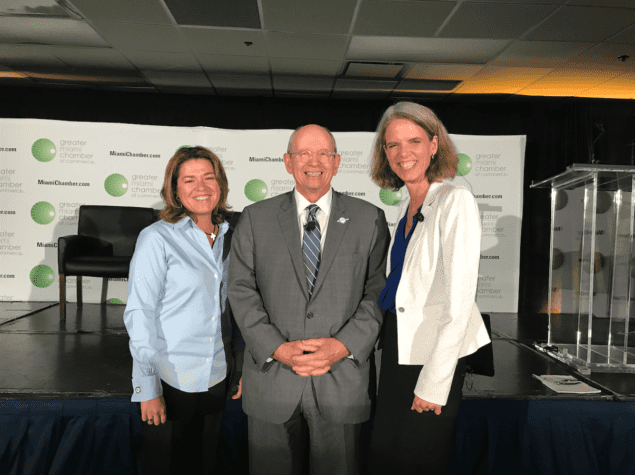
432	321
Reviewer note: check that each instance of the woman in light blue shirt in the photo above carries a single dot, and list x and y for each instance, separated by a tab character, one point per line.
187	351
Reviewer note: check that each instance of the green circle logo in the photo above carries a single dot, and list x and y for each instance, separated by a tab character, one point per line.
116	185
561	199
43	150
464	166
603	202
390	197
256	190
43	212
42	276
558	259
115	301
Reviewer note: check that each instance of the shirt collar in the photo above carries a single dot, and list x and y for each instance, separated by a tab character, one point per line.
189	222
324	203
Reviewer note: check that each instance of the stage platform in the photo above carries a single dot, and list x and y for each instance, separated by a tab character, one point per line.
82	367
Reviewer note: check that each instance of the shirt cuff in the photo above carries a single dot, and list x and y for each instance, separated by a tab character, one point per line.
146	388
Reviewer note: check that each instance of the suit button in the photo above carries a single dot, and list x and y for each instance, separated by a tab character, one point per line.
309	315
401	309
137	389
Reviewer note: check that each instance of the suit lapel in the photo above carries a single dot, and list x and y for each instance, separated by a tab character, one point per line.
334	234
288	220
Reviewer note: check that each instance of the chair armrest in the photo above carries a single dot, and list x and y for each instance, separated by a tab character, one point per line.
74	245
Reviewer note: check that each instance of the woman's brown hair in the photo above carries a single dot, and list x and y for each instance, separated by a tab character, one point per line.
174	210
443	166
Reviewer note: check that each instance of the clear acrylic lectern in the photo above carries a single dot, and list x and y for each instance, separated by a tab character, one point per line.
592	267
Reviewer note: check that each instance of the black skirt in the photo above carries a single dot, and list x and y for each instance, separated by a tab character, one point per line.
404	441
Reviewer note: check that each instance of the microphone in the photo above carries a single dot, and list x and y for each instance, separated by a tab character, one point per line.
310	226
419	217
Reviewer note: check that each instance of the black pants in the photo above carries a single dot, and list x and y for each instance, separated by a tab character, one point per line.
189	440
405	442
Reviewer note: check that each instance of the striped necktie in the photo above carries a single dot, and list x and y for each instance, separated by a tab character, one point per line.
311	247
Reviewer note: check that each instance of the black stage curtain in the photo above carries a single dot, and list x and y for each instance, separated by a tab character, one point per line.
560	131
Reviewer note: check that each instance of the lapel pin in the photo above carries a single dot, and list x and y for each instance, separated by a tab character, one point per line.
343	220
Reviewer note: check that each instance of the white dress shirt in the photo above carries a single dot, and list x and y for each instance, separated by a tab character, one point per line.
322	215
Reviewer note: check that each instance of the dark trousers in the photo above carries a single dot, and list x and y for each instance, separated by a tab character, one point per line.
280	449
403	441
187	443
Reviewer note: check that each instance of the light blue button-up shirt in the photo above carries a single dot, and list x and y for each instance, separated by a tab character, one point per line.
174	309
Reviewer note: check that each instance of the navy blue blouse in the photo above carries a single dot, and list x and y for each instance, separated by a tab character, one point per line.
397	256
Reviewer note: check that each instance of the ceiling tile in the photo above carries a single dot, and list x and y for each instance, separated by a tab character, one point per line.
302	84
420	85
443	71
622	87
177	78
216	63
307	67
362	88
499	80
626	36
137	37
605	56
435	50
419	95
230	85
528	2
299	45
48	31
4	69
494	20
323	17
90	57
584	24
124	11
603	3
232	42
223	13
32	7
199	91
568	82
304	95
11	77
163	61
401	18
86	76
539	54
20	56
373	70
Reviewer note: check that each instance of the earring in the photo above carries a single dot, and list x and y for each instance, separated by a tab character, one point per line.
433	157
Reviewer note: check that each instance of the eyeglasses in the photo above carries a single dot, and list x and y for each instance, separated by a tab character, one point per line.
322	155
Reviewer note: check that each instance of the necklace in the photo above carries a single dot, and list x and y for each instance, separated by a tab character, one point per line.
211	235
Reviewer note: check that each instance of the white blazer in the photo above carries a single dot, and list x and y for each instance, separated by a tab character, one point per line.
438	321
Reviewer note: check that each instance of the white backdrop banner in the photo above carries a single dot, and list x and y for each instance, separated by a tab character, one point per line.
49	168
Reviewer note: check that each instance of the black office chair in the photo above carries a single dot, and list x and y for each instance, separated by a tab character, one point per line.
103	247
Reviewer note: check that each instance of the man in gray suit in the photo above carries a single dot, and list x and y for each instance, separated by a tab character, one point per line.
303	284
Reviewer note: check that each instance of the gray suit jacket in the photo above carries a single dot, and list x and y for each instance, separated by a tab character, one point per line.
269	297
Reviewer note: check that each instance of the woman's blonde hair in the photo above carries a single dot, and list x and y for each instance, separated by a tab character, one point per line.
444	165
